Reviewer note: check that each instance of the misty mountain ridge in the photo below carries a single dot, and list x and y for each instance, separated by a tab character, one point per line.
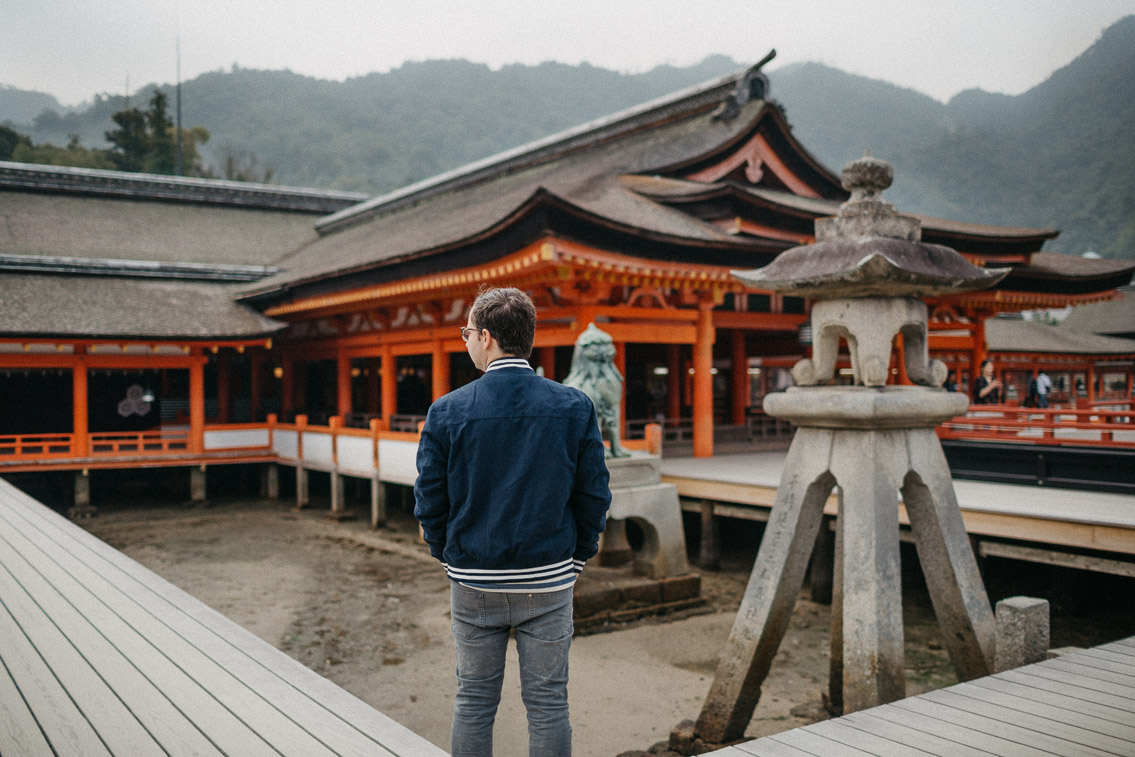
1056	156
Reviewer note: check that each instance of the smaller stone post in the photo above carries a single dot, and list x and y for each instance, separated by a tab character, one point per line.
197	484
1022	632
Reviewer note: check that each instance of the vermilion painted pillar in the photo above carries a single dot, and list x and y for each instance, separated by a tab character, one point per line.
287	387
255	383
621	366
547	358
673	383
900	362
703	381
978	348
389	386
440	363
79	423
740	378
374	405
224	385
197	405
343	385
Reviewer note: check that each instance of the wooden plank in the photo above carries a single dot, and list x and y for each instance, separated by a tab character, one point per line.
767	747
147	705
251	695
60	721
871	743
911	738
954	732
1054	557
1064	685
1119	648
1051	721
111	719
1067	699
1090	669
813	743
19	731
222	727
1023	740
1120	663
322	706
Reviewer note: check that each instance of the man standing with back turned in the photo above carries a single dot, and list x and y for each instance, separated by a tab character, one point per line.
512	494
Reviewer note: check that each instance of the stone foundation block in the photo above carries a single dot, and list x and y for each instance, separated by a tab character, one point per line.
1022	632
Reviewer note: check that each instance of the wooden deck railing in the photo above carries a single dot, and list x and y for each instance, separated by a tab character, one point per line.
1098	425
35	446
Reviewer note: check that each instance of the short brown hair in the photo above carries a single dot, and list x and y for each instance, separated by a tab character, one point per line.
509	316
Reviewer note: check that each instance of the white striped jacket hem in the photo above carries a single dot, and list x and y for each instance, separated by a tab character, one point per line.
545	578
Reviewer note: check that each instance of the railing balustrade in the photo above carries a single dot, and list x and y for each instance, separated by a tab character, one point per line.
1098	424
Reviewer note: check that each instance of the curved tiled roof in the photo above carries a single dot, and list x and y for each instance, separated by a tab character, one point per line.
84	307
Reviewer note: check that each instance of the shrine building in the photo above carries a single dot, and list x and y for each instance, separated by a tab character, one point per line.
213	305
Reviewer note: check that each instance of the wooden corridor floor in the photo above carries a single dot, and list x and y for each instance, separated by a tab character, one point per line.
1081	704
100	656
744	486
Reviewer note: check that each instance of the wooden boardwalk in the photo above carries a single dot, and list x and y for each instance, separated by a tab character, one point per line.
997	516
100	656
1080	704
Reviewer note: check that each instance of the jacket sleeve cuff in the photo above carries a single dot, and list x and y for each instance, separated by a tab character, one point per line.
577	565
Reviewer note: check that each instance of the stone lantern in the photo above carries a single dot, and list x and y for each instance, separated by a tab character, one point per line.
871	441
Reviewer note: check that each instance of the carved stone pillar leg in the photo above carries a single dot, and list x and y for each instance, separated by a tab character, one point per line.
777	577
952	576
835	669
869	466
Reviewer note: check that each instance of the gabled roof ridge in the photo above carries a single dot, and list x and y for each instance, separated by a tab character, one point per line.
100	181
145	268
543	149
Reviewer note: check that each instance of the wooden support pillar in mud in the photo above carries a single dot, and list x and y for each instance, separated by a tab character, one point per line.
709	554
270	481
377	502
197	484
302	497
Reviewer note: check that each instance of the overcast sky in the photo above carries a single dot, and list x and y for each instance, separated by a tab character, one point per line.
74	49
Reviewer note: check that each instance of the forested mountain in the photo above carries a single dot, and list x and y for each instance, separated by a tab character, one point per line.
1057	156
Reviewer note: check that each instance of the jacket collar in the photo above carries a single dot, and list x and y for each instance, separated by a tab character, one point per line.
508	362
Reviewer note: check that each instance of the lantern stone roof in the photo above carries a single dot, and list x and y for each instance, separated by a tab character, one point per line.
868	249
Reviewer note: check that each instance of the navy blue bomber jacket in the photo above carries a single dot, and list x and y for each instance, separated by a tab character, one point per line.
512	490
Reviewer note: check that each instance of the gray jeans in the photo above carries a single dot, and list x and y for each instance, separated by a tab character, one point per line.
543	627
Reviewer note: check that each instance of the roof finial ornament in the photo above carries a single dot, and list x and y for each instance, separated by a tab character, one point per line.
752	85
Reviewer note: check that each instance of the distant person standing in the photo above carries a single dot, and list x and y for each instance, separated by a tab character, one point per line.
986	389
512	494
1043	387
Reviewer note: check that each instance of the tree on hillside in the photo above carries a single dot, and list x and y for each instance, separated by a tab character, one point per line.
131	140
10	139
146	141
74	154
162	157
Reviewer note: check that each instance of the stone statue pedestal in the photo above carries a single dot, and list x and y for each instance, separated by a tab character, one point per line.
638	494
